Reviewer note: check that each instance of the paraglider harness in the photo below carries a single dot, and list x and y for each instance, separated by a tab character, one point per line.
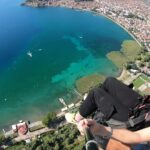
137	120
137	116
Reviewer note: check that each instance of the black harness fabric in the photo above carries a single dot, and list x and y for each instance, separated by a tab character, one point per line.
139	116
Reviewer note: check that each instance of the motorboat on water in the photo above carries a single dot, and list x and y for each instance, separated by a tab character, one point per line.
40	49
29	54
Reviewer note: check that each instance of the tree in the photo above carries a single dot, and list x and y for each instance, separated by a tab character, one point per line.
128	66
2	138
57	147
39	147
66	138
138	57
141	64
47	147
130	15
146	58
49	118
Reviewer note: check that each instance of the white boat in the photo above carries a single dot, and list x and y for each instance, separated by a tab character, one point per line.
62	101
29	54
80	37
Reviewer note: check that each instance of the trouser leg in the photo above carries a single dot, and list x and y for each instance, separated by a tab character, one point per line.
89	105
125	95
102	101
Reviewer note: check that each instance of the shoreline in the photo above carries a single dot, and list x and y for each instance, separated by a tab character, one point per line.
80	8
100	14
123	29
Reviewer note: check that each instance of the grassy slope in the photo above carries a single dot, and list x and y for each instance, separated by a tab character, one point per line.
128	52
117	58
130	49
84	84
138	82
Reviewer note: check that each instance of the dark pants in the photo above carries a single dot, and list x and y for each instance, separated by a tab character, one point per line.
113	99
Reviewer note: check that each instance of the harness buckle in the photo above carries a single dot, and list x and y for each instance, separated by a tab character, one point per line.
131	122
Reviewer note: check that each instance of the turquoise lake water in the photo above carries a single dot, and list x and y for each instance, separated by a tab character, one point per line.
44	51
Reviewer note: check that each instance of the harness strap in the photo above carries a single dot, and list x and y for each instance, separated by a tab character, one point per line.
132	122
